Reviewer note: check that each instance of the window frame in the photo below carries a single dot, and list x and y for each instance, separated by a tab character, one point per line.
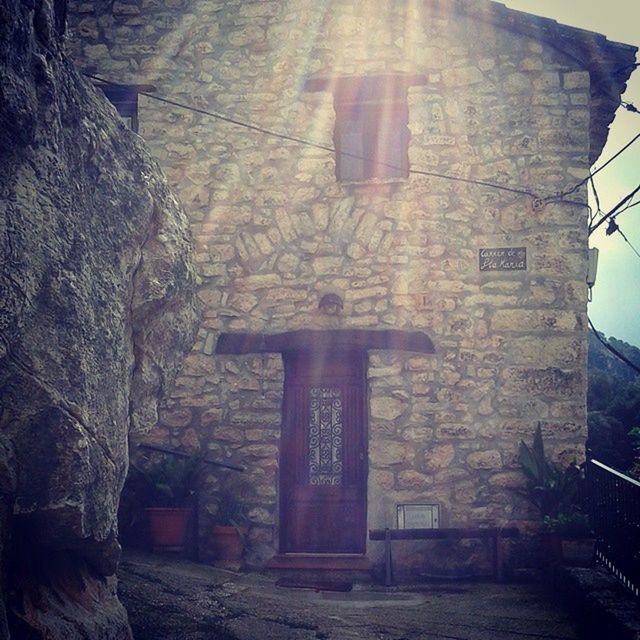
371	159
384	112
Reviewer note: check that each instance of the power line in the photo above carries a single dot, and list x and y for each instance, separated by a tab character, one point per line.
629	206
591	174
612	349
592	215
324	147
538	200
613	211
627	241
612	227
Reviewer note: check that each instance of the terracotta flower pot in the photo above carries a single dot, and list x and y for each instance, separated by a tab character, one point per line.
167	527
551	547
228	542
579	552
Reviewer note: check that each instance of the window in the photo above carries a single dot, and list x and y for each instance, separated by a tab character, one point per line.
371	134
325	436
124	97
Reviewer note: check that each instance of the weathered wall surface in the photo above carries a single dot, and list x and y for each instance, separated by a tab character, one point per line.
97	307
273	229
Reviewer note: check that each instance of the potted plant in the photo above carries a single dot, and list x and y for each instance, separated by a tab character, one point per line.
165	488
576	536
549	487
229	528
555	492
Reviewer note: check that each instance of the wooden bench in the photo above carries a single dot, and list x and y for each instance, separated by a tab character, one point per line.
454	533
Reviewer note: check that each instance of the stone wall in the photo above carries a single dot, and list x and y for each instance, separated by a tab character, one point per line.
274	229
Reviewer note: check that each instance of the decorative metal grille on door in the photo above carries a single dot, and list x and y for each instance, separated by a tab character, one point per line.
325	436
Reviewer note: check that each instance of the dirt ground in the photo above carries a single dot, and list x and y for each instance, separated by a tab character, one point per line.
171	599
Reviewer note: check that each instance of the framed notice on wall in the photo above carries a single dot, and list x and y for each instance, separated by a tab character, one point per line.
418	516
502	258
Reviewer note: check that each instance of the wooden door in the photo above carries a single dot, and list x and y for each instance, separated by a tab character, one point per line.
323	462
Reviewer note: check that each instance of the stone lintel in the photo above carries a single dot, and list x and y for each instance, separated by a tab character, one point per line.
309	339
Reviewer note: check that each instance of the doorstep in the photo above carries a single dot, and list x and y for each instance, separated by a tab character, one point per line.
320	562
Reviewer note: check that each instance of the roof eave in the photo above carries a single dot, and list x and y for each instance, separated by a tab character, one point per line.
610	64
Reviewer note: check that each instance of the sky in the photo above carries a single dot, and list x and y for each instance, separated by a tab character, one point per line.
615	308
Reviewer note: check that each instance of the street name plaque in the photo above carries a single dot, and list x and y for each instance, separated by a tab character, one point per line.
502	258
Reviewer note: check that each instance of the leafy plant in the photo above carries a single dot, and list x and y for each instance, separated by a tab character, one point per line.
613	402
568	525
167	482
231	507
230	511
550	488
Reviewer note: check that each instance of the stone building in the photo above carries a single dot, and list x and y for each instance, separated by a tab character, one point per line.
391	230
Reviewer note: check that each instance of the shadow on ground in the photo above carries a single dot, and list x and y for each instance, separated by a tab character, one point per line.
170	599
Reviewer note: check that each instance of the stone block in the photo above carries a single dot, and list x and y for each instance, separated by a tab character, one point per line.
260	515
261	451
211	417
445	431
228	434
508	480
420	434
567	351
381	479
384	453
257	282
466	492
549	381
462	76
576	80
410	479
179	417
485	459
438	457
387	408
525	320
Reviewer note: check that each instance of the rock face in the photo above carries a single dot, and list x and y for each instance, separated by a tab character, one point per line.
97	308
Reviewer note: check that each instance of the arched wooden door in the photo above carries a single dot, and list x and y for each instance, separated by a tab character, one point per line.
323	461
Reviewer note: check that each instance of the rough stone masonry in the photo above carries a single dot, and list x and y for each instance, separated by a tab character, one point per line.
497	96
97	308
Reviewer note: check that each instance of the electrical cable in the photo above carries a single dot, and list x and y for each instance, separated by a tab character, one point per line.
592	215
432	174
613	349
538	201
319	145
611	213
619	230
429	174
629	206
598	170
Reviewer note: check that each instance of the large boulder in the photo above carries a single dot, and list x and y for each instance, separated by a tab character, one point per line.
97	308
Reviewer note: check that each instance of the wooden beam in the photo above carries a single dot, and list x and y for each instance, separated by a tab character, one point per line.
322	340
453	533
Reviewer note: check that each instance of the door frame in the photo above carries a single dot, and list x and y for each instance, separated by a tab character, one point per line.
349	369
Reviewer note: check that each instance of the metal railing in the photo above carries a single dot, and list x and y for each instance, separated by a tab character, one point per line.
614	511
